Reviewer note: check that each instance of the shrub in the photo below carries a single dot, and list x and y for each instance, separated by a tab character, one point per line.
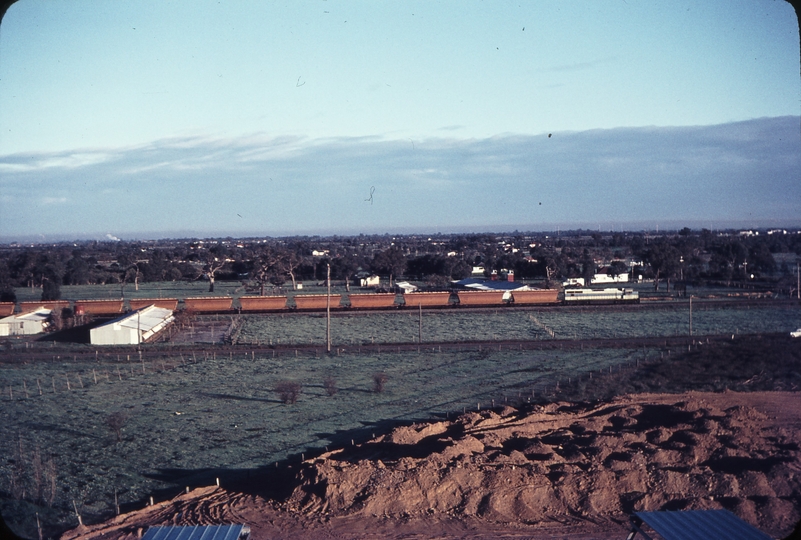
330	385
116	421
379	380
288	391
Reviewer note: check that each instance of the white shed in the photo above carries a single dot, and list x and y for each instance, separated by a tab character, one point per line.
370	281
23	324
132	328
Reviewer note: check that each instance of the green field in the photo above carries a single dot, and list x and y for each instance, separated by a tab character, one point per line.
504	324
163	289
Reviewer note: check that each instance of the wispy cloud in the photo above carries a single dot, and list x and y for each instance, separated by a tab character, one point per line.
64	160
294	184
53	200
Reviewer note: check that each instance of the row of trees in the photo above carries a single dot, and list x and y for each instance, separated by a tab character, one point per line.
666	258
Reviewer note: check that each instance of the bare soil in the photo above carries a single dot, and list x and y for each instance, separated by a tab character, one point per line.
563	470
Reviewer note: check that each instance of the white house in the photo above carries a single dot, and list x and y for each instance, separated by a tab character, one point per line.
132	328
24	324
370	281
405	286
609	278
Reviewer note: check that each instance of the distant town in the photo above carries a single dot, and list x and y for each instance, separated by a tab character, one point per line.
757	259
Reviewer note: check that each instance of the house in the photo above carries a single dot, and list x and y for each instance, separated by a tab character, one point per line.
405	287
604	275
370	281
25	324
132	328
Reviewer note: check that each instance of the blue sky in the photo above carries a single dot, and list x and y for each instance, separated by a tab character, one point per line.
153	118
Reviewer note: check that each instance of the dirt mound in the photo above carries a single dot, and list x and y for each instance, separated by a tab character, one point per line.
564	461
571	469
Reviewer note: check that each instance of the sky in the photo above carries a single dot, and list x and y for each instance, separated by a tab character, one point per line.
195	118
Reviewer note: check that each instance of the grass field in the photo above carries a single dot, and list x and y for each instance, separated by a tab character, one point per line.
452	325
163	289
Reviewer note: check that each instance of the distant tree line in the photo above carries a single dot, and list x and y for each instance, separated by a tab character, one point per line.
264	263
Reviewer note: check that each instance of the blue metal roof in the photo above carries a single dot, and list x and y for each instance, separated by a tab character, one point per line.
700	525
197	532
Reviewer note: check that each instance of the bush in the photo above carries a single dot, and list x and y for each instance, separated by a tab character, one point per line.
288	391
116	421
330	385
379	380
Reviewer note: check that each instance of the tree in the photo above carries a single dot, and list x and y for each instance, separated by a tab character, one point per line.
289	262
273	264
344	267
727	258
77	272
760	258
265	268
391	261
210	269
665	261
379	380
7	293
587	267
156	268
618	267
131	273
460	270
330	385
51	288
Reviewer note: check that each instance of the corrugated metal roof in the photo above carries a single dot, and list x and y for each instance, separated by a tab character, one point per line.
41	314
700	525
144	318
489	285
197	532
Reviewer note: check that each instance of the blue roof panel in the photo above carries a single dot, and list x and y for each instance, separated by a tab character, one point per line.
700	525
196	532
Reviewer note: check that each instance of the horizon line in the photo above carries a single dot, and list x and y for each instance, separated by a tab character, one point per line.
637	226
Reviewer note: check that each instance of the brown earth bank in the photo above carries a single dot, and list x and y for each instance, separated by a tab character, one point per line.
553	470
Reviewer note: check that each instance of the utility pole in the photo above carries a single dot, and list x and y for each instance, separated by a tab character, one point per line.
420	324
797	281
328	310
691	315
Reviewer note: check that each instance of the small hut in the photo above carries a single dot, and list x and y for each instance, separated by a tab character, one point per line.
24	324
132	328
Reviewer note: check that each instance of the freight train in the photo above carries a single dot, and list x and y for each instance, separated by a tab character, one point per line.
357	301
